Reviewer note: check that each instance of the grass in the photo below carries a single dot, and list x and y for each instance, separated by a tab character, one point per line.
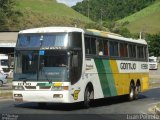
146	20
5	94
158	105
154	85
49	7
41	13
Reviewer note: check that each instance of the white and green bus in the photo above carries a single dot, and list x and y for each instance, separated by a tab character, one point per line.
68	65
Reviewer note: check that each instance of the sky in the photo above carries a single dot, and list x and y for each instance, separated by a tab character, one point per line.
69	2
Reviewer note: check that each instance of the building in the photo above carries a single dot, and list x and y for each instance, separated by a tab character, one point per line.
7	45
8	42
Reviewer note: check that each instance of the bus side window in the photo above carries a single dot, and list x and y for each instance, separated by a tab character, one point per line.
113	48
93	46
123	50
105	47
140	52
132	51
145	53
87	45
100	47
90	45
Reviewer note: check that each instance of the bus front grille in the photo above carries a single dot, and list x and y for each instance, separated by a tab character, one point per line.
30	87
45	87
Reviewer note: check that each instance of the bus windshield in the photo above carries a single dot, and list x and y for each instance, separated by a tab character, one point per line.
42	40
41	65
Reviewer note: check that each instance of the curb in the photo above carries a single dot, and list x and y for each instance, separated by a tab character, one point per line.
5	94
5	98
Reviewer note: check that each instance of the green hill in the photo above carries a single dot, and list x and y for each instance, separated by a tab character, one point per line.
38	13
146	20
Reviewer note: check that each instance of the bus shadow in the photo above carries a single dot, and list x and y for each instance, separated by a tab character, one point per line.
78	106
114	100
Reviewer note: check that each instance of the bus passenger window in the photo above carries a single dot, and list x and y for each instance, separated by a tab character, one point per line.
105	48
90	45
87	45
123	50
145	53
113	49
140	52
132	51
93	46
100	47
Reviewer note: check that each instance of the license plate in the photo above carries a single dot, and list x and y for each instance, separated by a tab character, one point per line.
18	99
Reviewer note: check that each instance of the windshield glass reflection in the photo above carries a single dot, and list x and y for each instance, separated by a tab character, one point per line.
41	65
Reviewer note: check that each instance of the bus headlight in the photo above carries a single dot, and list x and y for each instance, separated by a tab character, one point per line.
59	88
18	88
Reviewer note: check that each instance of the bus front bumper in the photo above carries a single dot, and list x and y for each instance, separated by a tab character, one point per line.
41	96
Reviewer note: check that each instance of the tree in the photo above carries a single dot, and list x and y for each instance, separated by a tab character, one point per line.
7	14
153	44
7	6
112	9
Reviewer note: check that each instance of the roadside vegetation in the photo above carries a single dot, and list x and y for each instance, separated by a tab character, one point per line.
110	9
146	20
22	14
4	94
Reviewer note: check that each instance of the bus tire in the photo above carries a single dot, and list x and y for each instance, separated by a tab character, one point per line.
87	97
137	91
131	92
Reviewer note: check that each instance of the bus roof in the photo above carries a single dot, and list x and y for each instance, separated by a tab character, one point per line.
51	30
114	36
87	31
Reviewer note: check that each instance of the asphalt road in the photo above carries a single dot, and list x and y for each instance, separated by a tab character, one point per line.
154	74
117	108
110	108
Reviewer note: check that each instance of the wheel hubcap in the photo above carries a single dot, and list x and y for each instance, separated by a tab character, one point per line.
131	93
88	97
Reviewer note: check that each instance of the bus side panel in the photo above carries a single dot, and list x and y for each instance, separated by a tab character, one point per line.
122	83
90	75
120	79
145	82
106	77
117	82
109	79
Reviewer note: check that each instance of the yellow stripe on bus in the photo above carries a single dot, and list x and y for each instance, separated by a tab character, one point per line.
122	80
57	84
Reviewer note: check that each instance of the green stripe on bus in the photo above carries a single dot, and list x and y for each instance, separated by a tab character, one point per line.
44	84
103	77
110	77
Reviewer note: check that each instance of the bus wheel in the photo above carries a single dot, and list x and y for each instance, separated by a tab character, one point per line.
137	91
87	97
131	92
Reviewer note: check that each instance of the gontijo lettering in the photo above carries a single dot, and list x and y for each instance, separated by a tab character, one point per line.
128	66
